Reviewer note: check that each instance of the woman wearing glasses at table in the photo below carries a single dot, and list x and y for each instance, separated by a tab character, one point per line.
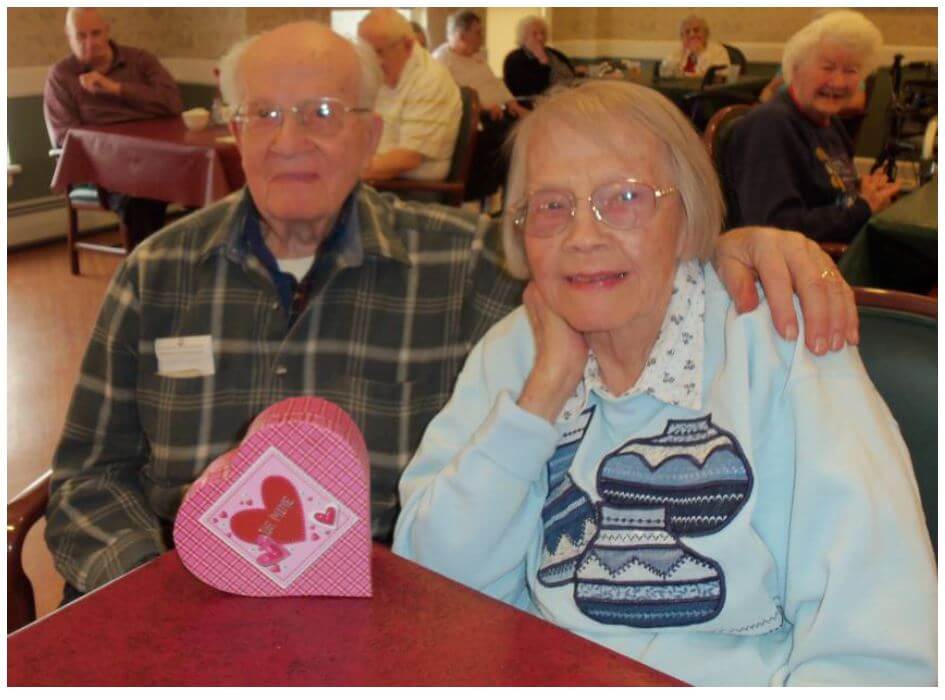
627	457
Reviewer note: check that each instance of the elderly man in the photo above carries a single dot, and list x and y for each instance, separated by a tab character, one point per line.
103	83
304	283
695	54
418	101
463	56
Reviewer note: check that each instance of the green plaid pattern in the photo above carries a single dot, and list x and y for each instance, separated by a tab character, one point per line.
391	317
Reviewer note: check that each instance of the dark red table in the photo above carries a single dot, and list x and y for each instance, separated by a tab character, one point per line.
161	626
155	158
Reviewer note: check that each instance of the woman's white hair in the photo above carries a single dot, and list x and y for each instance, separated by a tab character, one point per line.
608	111
230	83
845	27
524	24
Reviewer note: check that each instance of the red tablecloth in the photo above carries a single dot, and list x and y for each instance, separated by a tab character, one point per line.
156	158
160	625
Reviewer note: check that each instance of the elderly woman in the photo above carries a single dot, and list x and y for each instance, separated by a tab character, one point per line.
533	67
789	162
696	54
629	458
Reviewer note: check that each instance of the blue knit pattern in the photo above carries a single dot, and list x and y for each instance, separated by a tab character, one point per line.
701	477
568	516
690	480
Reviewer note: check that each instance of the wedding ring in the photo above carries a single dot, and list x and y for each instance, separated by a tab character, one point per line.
828	274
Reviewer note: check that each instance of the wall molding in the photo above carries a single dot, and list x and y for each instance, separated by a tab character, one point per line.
27	81
764	52
43	219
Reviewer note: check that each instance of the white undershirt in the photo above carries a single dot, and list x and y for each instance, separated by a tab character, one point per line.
297	267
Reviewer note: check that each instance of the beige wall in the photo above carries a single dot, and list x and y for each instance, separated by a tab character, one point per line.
900	26
34	35
259	19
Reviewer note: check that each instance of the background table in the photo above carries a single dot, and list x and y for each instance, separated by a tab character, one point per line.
154	158
678	88
160	625
898	248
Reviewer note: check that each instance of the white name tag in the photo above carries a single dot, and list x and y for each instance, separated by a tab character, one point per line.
186	356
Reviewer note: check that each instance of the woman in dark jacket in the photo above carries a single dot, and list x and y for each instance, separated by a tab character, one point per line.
534	67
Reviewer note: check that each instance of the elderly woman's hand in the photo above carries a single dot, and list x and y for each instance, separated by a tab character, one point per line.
788	262
560	357
878	191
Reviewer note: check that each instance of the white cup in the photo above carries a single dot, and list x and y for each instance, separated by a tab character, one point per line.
196	119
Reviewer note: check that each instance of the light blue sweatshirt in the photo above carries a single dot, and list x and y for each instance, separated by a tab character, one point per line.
772	534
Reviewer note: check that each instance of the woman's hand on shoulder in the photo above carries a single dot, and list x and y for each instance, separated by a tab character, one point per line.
789	263
560	357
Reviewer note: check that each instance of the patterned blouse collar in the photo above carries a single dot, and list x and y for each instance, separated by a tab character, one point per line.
673	372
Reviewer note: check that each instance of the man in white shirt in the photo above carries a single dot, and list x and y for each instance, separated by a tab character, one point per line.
695	54
418	101
463	56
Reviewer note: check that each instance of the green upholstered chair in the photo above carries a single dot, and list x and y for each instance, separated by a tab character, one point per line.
452	190
899	347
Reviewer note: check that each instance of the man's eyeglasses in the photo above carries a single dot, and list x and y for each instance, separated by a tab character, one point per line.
322	116
625	205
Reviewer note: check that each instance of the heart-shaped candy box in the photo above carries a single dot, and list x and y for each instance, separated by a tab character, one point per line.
287	513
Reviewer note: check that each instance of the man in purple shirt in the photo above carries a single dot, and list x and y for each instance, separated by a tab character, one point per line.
103	83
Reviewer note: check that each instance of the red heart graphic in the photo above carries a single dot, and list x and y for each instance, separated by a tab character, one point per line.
281	518
328	517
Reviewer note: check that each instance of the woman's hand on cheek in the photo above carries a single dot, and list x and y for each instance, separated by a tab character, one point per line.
560	357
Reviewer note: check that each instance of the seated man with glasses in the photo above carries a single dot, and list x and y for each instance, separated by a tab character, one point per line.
306	282
418	101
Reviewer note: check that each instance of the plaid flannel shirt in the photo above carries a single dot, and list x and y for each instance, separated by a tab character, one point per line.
393	311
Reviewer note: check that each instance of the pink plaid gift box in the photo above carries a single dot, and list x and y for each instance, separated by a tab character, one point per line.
287	513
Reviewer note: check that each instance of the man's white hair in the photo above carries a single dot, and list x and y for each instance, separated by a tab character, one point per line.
231	85
693	19
387	22
73	11
845	27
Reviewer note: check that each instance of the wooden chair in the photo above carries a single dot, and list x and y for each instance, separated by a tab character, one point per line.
719	129
86	197
899	347
452	190
22	513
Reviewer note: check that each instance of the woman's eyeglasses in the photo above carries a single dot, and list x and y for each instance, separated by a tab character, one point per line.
625	205
321	116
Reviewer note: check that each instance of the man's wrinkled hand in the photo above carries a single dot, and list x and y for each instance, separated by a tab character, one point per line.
789	263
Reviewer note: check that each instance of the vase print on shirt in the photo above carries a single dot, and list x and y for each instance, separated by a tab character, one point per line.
568	516
691	480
